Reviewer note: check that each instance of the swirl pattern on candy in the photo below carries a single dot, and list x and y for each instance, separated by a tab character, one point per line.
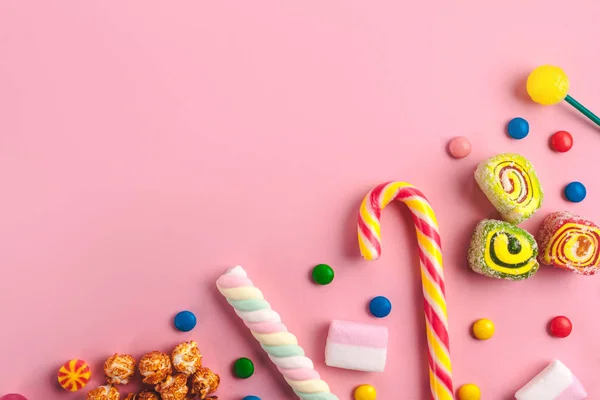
501	250
432	274
570	242
512	186
74	375
266	327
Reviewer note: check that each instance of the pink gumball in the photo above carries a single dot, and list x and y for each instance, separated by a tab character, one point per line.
459	147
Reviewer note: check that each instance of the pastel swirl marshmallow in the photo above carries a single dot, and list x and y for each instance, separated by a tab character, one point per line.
267	328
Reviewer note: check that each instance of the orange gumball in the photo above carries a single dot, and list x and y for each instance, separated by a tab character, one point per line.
74	375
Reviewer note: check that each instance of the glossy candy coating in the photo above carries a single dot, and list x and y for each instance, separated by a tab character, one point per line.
431	266
459	147
469	392
561	141
575	192
483	329
547	85
518	128
243	368
560	327
74	375
323	274
365	392
185	321
380	307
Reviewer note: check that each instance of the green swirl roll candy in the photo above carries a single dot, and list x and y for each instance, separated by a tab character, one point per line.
501	250
512	186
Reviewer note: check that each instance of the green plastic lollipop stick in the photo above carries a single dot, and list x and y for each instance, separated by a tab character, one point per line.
583	110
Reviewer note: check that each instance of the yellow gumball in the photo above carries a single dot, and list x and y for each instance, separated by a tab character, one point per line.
365	392
547	85
483	329
469	392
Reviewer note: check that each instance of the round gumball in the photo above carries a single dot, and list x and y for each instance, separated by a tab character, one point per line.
483	329
365	392
560	327
518	128
561	141
185	321
243	368
469	392
575	192
251	398
323	274
380	307
459	147
74	375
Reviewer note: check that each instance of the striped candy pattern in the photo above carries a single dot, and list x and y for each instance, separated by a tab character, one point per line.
74	375
432	275
266	326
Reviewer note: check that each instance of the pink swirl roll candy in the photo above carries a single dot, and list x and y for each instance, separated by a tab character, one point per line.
266	327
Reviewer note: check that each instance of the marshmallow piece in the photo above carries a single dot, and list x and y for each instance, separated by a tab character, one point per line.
555	382
356	346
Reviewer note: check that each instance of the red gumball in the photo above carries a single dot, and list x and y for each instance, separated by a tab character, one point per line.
560	327
562	141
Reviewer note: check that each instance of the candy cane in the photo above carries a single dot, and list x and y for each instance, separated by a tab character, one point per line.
266	327
432	275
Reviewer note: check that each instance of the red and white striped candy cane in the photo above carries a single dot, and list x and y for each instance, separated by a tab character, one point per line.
432	274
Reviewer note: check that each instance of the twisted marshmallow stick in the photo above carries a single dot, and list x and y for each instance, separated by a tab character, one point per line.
266	327
432	275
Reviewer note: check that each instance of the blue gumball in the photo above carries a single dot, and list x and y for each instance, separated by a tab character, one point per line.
185	321
575	192
251	398
380	306
518	128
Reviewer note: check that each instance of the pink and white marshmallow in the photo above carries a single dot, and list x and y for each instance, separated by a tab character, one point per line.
356	346
555	382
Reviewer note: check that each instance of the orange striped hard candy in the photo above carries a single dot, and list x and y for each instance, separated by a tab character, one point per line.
74	375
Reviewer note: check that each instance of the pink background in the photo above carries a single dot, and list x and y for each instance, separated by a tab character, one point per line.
146	146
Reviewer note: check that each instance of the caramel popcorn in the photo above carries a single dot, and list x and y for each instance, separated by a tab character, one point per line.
173	388
204	382
107	392
143	395
155	367
119	369
187	357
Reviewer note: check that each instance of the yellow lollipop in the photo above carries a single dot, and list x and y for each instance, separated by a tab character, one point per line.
549	85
